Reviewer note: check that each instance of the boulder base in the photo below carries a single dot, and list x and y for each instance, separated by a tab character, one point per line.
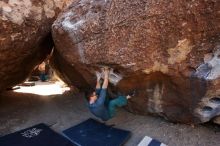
165	51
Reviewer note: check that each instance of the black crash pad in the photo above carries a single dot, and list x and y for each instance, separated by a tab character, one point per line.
38	135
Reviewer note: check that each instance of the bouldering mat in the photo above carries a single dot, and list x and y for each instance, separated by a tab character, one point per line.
94	133
148	141
38	135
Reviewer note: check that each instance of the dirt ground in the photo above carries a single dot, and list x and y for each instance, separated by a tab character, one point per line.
19	110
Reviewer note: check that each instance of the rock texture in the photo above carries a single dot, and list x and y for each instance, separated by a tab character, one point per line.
217	120
25	38
165	51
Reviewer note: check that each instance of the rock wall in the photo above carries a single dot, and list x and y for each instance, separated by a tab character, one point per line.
166	51
25	38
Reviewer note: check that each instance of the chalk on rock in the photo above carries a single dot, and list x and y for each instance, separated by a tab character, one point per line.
114	78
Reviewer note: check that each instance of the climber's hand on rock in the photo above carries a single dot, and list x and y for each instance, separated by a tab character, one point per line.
106	72
98	75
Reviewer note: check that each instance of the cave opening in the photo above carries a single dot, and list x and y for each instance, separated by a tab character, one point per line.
43	81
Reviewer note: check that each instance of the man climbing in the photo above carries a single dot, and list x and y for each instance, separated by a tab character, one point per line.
99	104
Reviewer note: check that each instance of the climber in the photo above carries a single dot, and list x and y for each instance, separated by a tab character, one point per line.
42	69
99	104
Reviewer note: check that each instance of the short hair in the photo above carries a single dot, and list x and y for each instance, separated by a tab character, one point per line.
89	93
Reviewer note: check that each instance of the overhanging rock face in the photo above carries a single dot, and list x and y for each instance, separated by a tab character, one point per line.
165	51
25	39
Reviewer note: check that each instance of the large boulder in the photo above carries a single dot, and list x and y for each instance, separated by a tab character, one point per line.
25	38
167	52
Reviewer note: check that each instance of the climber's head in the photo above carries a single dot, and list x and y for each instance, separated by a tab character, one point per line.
91	96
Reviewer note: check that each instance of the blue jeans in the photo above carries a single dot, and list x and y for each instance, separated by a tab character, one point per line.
43	77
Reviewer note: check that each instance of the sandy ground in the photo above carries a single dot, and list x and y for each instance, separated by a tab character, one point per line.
19	110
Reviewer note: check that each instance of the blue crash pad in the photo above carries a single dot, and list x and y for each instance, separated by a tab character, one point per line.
94	133
38	135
